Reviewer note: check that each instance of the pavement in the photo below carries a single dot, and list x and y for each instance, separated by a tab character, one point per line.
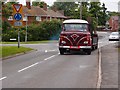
109	66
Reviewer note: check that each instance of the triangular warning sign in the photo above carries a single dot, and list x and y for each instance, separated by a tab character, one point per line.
17	7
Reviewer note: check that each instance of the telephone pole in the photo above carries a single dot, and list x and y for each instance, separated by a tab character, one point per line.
80	10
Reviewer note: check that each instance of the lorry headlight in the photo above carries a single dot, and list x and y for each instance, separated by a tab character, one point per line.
85	42
63	42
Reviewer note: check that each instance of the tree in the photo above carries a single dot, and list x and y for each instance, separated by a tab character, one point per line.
68	7
103	15
99	12
34	3
40	4
7	9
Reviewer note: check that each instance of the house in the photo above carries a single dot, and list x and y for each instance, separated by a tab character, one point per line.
114	23
35	14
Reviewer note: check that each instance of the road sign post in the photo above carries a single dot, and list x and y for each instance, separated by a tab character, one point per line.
18	38
17	19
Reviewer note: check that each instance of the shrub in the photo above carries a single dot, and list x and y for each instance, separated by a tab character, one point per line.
45	30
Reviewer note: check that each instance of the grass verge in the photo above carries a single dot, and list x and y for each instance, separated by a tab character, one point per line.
12	50
31	42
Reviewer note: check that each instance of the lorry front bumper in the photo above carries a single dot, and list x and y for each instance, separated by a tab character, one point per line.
76	47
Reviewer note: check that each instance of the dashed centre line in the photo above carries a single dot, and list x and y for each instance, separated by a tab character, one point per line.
50	57
3	78
36	63
28	67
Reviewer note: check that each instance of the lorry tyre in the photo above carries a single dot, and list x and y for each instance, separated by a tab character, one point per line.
96	47
61	51
88	52
93	47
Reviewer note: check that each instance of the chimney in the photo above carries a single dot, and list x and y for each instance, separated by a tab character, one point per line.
28	5
45	6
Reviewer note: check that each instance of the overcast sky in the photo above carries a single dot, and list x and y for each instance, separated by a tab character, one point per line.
110	5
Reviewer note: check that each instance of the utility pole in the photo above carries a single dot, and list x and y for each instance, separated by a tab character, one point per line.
26	29
80	10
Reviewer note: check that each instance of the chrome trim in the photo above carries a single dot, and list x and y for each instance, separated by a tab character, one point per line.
73	46
74	39
68	39
82	39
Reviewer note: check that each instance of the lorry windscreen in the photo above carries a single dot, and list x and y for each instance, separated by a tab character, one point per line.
75	27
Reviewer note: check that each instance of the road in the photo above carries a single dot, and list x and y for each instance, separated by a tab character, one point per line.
46	68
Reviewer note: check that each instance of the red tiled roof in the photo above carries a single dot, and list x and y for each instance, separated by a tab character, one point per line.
54	14
37	11
34	11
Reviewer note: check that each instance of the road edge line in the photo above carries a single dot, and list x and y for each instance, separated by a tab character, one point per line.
99	69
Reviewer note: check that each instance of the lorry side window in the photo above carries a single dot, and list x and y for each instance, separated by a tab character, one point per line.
75	27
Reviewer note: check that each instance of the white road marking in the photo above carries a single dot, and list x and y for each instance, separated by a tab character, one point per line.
40	61
50	57
100	42
37	63
46	51
99	70
52	50
3	78
28	67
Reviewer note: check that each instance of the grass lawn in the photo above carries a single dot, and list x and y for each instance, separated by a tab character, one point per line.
11	50
30	42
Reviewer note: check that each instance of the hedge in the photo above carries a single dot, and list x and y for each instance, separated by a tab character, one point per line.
45	30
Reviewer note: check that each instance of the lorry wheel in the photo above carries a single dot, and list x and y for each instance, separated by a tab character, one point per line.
88	52
93	48
96	47
61	51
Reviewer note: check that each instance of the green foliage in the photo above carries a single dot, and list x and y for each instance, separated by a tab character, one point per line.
46	30
40	4
5	25
94	10
7	9
68	7
34	3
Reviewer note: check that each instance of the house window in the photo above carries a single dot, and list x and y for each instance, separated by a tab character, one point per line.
10	18
25	18
50	18
38	18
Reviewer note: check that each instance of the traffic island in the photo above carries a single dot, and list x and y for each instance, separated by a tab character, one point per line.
109	64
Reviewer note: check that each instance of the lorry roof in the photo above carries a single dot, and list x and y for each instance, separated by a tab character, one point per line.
75	21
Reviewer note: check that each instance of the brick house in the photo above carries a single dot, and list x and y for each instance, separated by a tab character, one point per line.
35	14
114	23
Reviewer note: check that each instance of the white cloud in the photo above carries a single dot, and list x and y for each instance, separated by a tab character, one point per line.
110	5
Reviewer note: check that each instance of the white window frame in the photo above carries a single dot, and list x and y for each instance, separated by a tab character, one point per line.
10	18
38	18
25	18
50	18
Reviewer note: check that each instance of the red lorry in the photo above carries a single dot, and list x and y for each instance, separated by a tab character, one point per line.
77	35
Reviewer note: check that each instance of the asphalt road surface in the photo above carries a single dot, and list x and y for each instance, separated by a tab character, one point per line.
46	68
